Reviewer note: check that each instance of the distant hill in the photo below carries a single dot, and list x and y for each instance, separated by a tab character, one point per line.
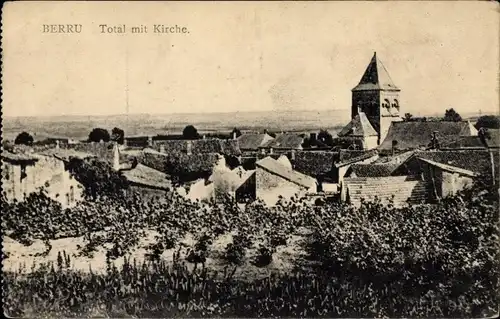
78	127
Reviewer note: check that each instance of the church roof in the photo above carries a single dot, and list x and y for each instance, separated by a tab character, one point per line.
359	126
376	77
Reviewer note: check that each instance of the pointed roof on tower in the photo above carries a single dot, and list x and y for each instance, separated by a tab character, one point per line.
376	77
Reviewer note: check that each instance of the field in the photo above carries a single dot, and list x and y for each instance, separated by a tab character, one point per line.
78	127
173	257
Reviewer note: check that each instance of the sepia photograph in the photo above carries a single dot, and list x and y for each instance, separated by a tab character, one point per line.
274	159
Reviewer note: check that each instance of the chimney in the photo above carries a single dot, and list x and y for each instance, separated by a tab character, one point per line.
271	150
293	155
189	147
162	148
150	141
234	135
57	144
204	136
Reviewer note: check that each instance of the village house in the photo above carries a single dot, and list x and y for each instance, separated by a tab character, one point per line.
382	167
202	146
275	180
149	183
486	138
404	136
420	176
26	173
483	163
399	190
238	183
184	167
282	144
249	143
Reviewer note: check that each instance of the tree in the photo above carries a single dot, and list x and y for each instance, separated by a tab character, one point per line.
325	137
408	117
99	134
118	135
190	133
488	121
452	116
24	138
235	131
97	177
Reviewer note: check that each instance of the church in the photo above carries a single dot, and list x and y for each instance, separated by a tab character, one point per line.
375	105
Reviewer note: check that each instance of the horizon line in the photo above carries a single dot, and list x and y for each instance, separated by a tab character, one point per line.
173	113
208	112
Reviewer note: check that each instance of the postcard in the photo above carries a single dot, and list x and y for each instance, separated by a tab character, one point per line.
334	159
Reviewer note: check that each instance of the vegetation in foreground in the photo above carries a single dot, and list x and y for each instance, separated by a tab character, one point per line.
419	261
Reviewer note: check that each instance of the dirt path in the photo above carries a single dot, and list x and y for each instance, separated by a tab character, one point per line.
20	255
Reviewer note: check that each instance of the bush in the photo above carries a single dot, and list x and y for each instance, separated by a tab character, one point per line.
190	133
24	138
98	135
118	135
488	121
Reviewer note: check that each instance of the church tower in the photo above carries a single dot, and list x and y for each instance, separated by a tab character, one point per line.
377	97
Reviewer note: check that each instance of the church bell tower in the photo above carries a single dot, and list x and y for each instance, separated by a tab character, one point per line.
377	97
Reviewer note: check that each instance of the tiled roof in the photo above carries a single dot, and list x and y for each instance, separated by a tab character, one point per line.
492	140
450	168
204	146
359	126
103	150
373	170
147	176
18	157
315	163
383	166
274	167
475	160
376	77
350	157
401	189
395	159
252	141
179	163
66	154
286	141
413	135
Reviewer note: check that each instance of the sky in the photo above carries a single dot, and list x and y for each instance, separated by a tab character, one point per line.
244	56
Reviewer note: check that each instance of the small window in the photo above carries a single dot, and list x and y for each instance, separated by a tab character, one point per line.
386	104
396	103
